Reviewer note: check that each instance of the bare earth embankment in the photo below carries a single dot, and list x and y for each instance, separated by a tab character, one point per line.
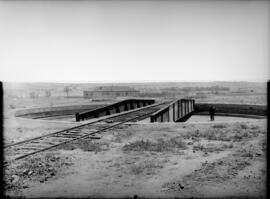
206	159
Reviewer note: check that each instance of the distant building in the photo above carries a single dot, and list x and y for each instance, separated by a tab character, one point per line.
110	92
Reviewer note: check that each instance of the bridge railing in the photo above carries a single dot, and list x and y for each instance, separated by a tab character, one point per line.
177	111
118	107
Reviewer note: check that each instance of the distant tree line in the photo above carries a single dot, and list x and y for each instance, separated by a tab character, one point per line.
152	94
196	88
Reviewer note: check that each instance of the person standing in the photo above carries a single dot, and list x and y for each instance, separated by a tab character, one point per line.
212	113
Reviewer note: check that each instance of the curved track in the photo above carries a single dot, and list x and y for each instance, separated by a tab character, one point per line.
35	145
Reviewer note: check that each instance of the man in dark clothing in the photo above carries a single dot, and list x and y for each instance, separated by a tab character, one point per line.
212	112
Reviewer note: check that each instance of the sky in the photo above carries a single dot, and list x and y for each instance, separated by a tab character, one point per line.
134	41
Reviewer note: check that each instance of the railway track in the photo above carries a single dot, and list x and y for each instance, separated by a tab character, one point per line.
36	145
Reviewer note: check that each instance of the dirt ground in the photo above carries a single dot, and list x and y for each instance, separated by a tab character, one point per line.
193	159
18	129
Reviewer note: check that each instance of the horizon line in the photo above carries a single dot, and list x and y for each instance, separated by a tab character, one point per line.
139	81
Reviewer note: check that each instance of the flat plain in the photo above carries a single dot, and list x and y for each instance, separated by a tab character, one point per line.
198	158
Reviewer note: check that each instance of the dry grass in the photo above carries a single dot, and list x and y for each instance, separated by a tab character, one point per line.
243	126
246	153
120	136
160	145
216	172
39	168
221	132
212	148
146	167
209	134
86	145
219	126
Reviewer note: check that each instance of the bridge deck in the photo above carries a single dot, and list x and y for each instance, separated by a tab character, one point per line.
118	107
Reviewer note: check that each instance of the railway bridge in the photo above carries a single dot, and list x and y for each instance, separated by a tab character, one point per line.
176	111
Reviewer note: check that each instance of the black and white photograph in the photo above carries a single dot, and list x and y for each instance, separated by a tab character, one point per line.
134	99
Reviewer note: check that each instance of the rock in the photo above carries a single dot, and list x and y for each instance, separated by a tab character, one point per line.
109	121
129	162
181	186
190	143
220	162
164	189
15	178
50	169
25	186
30	172
25	171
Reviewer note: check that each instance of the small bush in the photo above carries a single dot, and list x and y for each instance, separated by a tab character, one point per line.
201	147
178	142
264	146
246	134
192	134
119	136
117	139
253	127
245	153
219	126
237	137
244	126
211	135
159	146
86	145
147	167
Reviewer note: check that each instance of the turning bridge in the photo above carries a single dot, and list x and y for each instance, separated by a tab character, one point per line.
118	107
177	111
